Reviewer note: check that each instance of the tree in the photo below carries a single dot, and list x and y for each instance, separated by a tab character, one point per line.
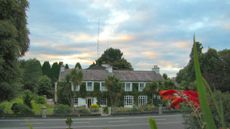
45	86
114	57
46	69
14	42
32	71
65	94
55	72
165	76
78	65
215	66
66	66
76	77
114	90
187	73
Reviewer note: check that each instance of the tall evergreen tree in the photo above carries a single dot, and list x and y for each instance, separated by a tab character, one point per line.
55	69
66	66
32	71
46	69
14	42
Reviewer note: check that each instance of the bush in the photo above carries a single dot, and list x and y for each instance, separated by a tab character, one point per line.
61	109
27	98
40	100
94	107
1	112
82	110
21	109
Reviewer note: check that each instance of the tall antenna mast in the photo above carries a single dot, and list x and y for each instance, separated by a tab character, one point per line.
98	35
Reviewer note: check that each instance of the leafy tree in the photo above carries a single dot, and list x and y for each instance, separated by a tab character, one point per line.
78	65
46	69
65	94
114	90
27	98
14	42
31	73
45	86
187	73
76	77
215	66
165	76
114	57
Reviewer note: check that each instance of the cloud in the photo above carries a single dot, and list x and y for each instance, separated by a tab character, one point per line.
147	32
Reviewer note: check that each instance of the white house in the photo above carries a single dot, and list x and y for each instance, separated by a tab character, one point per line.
98	74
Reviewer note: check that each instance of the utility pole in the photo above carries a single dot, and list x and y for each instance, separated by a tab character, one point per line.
98	38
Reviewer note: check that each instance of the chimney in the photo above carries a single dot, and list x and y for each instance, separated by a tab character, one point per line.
108	68
156	69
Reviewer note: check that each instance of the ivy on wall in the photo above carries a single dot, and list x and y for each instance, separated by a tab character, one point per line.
151	91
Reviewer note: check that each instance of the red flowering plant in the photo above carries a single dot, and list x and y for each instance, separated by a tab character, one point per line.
187	97
176	97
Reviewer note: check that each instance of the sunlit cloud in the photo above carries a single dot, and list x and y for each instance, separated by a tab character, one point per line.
147	32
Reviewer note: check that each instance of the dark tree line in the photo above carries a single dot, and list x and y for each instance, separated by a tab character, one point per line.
215	67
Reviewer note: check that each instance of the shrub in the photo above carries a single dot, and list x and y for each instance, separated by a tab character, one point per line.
94	107
61	109
27	98
82	110
1	111
21	109
40	100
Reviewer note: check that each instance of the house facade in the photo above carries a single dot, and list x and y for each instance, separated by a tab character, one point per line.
94	91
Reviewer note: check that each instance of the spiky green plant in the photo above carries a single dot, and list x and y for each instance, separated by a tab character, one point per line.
152	123
204	90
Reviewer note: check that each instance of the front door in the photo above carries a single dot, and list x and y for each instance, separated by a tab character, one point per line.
89	102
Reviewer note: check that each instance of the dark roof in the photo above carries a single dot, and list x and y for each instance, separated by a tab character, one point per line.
122	75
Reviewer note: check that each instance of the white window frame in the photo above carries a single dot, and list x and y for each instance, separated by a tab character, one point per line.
142	100
103	88
77	87
87	86
128	100
131	86
139	86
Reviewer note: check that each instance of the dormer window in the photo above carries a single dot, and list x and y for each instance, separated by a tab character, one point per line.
89	86
128	86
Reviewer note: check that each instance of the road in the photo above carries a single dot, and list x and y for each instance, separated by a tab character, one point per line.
119	122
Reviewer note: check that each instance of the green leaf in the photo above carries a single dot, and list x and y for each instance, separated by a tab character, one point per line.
205	109
152	123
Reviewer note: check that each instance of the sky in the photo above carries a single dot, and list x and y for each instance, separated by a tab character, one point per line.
148	32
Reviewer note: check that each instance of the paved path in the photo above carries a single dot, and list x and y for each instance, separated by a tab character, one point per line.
124	122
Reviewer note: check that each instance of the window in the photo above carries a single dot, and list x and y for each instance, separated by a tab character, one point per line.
128	86
142	100
128	100
102	86
75	88
103	101
75	101
89	86
141	86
